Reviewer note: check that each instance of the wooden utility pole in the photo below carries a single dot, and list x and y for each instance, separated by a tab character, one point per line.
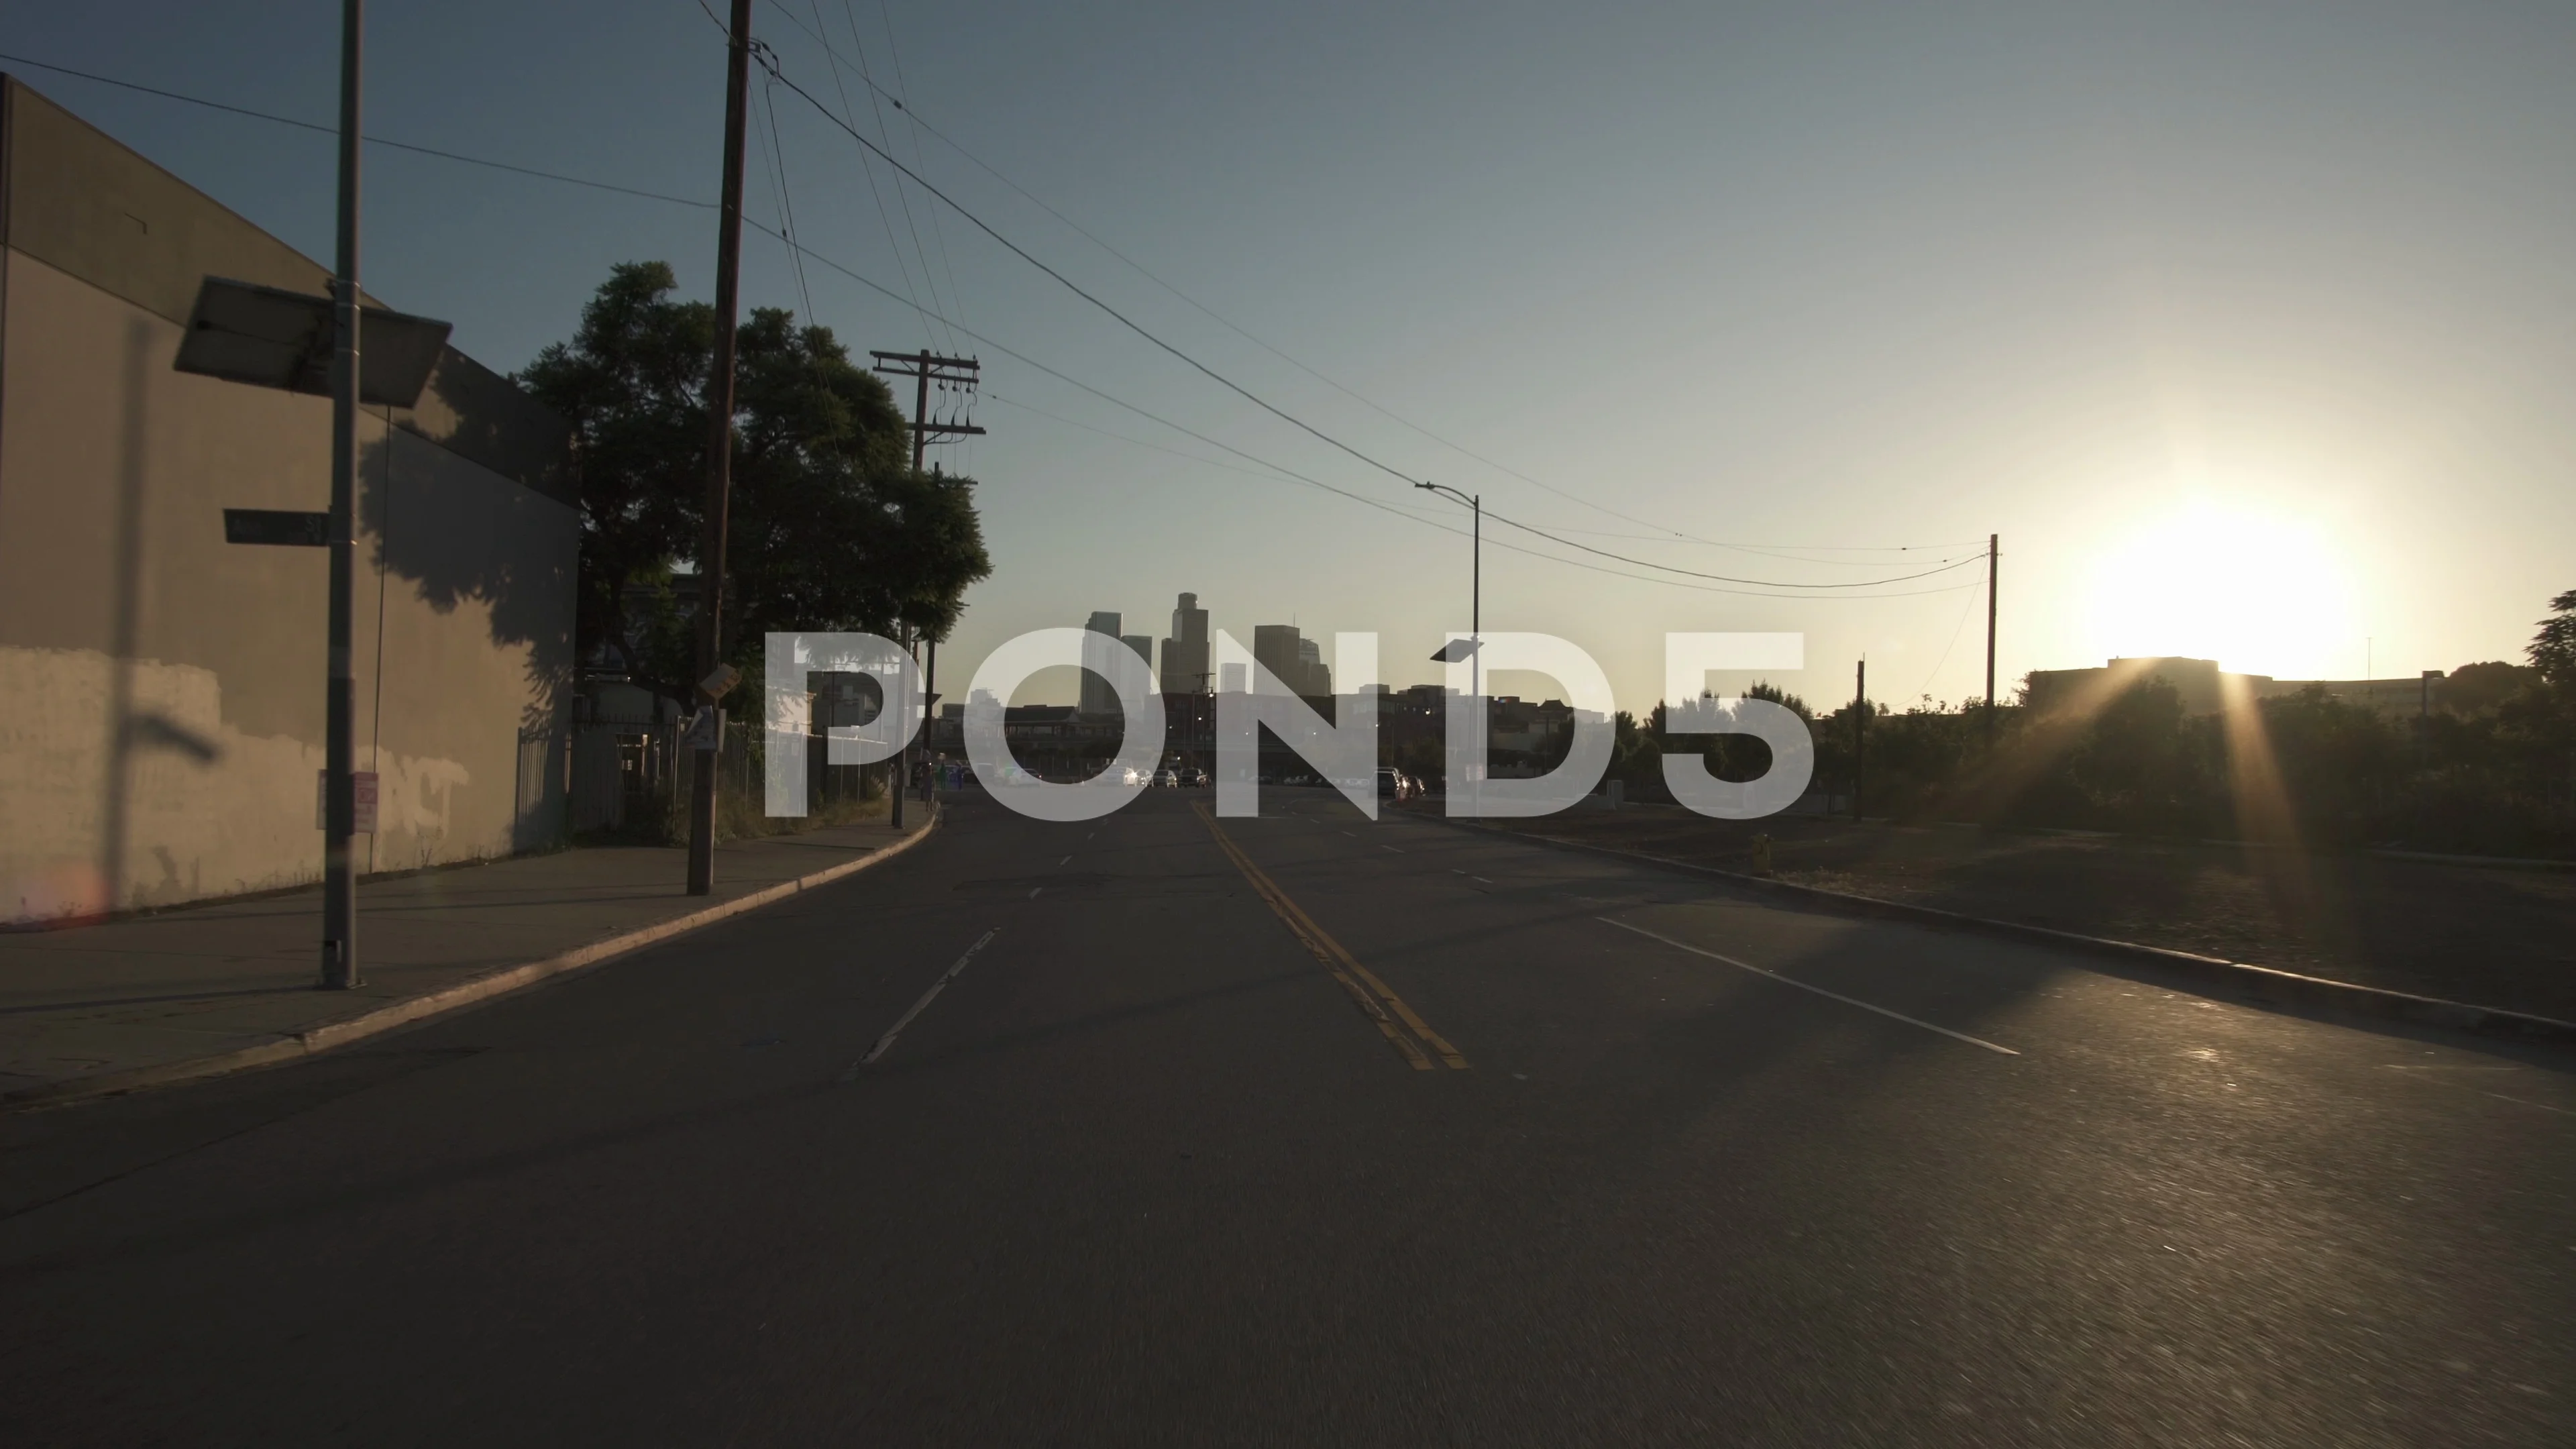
711	534
1992	551
924	368
1860	733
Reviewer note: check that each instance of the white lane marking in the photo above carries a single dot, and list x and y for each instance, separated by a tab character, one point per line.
1066	861
927	997
1354	837
1453	870
1479	878
1033	891
1390	847
1803	986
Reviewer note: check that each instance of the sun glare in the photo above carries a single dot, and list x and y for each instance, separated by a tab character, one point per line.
2260	592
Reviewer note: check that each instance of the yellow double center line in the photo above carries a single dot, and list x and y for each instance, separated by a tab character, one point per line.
1374	998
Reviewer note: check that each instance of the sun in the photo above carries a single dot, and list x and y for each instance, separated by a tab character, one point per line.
2261	592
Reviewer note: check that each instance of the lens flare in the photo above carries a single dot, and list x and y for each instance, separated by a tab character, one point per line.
2261	592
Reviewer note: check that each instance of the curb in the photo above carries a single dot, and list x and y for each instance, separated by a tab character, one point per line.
2267	985
329	1034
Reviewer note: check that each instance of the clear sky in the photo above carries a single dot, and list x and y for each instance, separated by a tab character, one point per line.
2250	328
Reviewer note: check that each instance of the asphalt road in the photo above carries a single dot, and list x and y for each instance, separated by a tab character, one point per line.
1356	1133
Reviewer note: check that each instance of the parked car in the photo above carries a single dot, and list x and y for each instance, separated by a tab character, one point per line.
1391	783
1167	777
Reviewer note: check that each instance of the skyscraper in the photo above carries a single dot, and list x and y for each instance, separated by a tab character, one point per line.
1185	654
1294	659
1099	700
1274	648
1318	676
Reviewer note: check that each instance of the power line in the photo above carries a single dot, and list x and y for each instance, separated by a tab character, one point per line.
390	145
1238	389
785	238
1070	285
1694	573
902	202
798	250
776	157
913	117
867	169
895	52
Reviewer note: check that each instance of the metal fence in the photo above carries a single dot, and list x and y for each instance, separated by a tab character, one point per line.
628	776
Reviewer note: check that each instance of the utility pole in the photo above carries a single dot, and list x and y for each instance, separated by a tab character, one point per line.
924	368
1475	625
899	778
711	536
1860	734
1992	551
339	708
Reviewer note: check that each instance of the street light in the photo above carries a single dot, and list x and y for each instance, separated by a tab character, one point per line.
1473	653
243	332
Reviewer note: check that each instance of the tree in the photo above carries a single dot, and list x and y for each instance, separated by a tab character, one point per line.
831	529
2553	649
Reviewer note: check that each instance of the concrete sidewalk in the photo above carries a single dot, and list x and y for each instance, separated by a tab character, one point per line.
213	988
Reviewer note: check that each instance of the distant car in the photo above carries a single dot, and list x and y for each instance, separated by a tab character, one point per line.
1198	779
1167	777
1390	784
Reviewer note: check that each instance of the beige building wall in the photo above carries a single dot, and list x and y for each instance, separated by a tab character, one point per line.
161	691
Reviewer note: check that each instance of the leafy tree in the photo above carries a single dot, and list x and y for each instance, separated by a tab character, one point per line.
830	526
2479	688
2553	649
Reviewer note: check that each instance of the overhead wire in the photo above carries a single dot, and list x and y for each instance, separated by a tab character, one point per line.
937	236
913	118
1312	482
784	238
868	169
776	159
372	140
1247	394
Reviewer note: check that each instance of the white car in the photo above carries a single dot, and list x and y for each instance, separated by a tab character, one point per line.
1167	777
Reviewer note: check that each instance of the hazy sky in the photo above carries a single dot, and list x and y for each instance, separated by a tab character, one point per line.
2251	328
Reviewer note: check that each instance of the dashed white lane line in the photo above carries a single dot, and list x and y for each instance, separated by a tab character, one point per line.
1803	986
1480	878
1390	847
1068	860
927	997
1033	891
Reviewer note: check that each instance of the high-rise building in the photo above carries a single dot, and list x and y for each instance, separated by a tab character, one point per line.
1185	654
1318	676
1098	698
1143	644
1274	648
1296	661
1230	680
